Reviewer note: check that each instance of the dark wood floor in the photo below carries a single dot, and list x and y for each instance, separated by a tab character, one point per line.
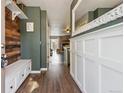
56	80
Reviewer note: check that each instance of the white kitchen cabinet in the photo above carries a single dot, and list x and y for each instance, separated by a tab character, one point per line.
97	60
15	74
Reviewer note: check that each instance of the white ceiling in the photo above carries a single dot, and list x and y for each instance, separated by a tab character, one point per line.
58	13
91	5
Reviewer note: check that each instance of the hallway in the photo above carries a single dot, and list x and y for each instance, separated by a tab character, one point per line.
57	58
56	80
62	46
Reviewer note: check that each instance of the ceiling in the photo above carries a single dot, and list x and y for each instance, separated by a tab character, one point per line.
58	13
91	5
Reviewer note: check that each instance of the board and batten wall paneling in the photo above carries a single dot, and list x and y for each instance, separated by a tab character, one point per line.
97	60
12	37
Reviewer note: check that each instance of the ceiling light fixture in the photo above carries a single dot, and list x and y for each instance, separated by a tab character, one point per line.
67	29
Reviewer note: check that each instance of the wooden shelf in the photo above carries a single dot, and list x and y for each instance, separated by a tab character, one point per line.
16	11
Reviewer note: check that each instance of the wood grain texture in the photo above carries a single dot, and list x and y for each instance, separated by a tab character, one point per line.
12	37
56	80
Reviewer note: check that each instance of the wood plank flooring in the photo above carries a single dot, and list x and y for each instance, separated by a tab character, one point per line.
56	80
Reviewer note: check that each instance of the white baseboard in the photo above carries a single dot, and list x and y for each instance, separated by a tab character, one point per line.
43	69
35	72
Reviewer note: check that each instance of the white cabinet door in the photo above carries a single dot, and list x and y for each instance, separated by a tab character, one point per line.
11	85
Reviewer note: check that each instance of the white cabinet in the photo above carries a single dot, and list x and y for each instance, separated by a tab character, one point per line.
10	85
97	60
15	74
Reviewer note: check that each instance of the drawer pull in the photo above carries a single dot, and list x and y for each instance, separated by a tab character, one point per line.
22	75
11	87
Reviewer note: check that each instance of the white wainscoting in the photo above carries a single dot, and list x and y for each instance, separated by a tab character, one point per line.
97	60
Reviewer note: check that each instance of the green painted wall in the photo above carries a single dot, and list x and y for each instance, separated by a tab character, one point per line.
43	39
30	41
90	16
33	44
100	11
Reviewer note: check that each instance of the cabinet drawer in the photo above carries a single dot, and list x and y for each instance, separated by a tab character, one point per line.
21	76
28	68
10	86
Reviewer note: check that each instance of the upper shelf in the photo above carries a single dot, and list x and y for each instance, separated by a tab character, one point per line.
111	15
16	11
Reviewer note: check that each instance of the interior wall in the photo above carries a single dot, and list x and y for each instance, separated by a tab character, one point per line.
43	39
30	41
12	37
34	44
63	40
55	44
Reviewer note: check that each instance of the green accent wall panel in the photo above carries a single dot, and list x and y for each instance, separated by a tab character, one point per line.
30	41
43	39
90	16
100	11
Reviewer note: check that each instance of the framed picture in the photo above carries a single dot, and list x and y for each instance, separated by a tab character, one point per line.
30	27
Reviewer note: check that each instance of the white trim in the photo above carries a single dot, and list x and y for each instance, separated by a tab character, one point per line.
43	69
72	75
77	4
73	14
35	72
101	62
